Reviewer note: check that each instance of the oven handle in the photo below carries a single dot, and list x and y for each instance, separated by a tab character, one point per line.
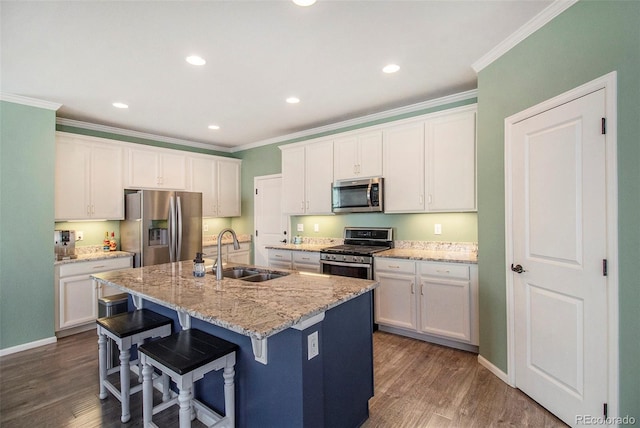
334	263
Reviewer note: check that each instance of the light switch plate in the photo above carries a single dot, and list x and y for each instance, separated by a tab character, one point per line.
300	227
316	227
437	229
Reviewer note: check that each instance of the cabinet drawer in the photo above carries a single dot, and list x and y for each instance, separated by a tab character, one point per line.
306	257
395	265
283	255
445	270
89	267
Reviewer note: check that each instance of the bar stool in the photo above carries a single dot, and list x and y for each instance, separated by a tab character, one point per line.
186	357
127	329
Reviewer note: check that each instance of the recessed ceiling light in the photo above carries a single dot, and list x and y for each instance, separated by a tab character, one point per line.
120	105
293	100
304	2
214	127
196	60
391	68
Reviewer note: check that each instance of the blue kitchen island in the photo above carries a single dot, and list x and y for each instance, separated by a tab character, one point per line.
279	325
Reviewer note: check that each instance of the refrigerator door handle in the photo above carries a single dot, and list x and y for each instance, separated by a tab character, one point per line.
179	231
172	230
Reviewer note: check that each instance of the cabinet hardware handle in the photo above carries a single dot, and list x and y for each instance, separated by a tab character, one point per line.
421	287
443	271
413	291
88	209
98	267
394	267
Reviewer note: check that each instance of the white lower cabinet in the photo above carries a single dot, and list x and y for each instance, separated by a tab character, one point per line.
433	301
303	261
77	294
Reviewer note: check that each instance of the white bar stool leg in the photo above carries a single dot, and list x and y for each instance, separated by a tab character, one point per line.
147	394
124	382
229	395
102	364
184	400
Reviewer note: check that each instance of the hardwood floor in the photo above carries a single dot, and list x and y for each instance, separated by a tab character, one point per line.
417	385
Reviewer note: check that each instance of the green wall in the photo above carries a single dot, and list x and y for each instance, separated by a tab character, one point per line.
266	160
27	148
589	40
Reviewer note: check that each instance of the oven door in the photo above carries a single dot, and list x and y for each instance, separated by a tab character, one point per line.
353	270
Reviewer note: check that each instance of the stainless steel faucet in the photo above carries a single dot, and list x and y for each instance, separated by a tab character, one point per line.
236	246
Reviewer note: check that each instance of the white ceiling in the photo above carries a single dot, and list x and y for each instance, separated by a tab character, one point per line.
87	55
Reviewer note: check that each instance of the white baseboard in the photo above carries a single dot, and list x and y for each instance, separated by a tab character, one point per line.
493	369
26	346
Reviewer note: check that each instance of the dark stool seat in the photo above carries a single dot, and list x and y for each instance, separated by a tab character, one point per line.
186	357
125	330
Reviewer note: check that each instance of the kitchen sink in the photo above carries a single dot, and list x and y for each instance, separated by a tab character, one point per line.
250	275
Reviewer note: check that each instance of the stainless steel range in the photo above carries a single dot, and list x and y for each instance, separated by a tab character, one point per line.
355	257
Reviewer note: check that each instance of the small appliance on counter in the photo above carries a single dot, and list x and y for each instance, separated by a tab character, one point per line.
65	244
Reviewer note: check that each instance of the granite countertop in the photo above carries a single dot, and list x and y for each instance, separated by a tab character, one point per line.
257	310
212	240
451	252
92	256
298	247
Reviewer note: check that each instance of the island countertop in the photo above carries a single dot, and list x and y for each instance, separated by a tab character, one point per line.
257	310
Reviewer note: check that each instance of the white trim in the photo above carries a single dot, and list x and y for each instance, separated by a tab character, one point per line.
533	25
27	346
462	96
33	102
494	370
607	82
136	134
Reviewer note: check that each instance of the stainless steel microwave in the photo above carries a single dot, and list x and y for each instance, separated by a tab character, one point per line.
358	196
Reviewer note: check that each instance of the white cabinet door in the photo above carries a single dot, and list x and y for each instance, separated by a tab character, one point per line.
403	148
318	177
445	308
107	197
451	162
78	301
370	154
293	180
72	180
280	259
228	188
395	300
358	156
306	261
156	169
202	173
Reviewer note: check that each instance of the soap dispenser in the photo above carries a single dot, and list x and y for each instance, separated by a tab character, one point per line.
198	265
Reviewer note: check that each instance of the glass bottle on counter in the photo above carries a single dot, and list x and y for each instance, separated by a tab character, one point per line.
106	243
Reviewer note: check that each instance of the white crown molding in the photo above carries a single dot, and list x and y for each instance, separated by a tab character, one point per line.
533	25
412	108
136	134
33	102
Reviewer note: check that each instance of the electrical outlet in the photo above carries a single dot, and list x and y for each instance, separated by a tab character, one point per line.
205	228
300	227
437	229
79	235
313	348
316	227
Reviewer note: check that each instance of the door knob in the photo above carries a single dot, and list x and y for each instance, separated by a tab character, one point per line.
517	268
284	241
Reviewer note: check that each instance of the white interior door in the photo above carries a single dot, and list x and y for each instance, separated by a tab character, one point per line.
271	226
559	237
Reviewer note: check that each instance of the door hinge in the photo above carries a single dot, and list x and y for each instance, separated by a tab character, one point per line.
604	267
605	410
604	125
256	191
256	233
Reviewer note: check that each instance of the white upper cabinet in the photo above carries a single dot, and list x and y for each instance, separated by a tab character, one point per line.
403	148
451	162
88	178
154	168
358	156
218	179
307	174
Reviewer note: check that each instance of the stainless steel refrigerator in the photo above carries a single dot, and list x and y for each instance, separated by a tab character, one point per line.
161	226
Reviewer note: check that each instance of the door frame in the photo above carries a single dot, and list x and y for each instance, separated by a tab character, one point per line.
607	82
